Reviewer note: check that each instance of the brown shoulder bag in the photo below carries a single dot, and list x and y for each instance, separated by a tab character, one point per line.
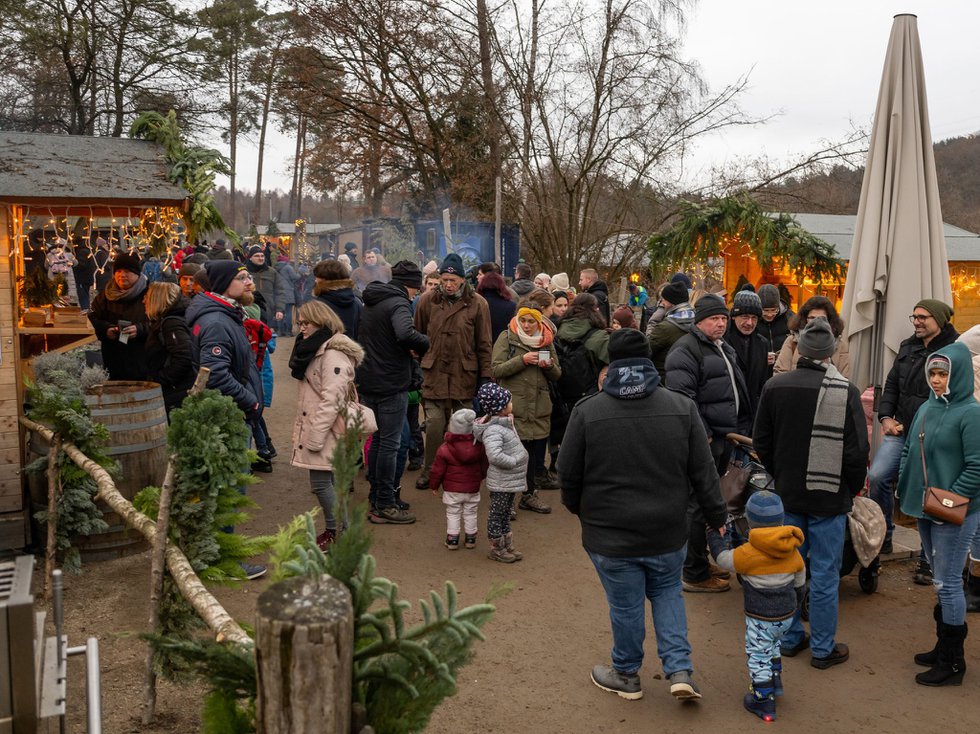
940	504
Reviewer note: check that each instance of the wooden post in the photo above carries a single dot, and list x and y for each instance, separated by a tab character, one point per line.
304	656
54	485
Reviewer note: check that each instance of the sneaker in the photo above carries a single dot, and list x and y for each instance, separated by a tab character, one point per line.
761	701
923	573
547	480
452	542
253	571
391	516
717	572
791	651
266	454
423	481
624	685
470	542
710	585
838	655
682	686
533	503
262	466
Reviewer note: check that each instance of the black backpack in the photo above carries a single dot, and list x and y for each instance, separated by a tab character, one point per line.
579	371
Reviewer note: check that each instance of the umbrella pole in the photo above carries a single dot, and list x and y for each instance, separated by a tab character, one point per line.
877	359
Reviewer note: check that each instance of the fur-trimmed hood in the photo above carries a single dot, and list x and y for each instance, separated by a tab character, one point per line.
325	286
344	344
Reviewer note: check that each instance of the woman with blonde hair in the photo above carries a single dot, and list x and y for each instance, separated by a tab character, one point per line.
323	360
168	343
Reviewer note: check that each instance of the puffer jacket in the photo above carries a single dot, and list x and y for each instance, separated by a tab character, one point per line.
270	285
460	464
906	387
460	347
528	384
663	334
696	368
506	455
323	392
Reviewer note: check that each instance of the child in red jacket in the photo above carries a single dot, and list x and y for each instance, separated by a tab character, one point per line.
460	465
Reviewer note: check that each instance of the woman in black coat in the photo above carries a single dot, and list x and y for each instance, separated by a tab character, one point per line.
119	320
168	343
502	308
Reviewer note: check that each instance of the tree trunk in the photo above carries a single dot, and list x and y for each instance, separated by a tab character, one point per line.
299	148
233	136
54	482
304	639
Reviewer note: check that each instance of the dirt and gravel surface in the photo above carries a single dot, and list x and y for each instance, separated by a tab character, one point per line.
532	673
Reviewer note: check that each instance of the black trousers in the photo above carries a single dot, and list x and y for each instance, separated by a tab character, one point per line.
696	567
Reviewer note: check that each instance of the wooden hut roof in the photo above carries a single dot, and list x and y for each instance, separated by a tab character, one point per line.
39	169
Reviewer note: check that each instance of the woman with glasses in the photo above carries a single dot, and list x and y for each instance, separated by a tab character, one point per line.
815	307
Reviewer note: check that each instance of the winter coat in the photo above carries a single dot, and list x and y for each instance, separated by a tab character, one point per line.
506	456
696	368
789	356
323	393
270	285
632	500
221	344
85	268
528	384
753	360
601	293
340	296
597	343
266	373
367	274
289	277
522	287
775	331
502	310
663	334
906	387
122	361
460	353
387	335
951	424
460	464
783	426
168	354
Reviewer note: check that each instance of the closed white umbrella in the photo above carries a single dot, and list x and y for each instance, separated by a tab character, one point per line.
899	252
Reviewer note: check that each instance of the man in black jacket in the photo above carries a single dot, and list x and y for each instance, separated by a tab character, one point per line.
588	282
906	388
703	367
384	378
810	434
634	531
750	347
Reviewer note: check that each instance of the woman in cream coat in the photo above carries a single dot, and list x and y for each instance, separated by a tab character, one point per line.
814	307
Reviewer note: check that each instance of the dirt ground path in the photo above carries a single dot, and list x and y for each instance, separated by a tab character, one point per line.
532	673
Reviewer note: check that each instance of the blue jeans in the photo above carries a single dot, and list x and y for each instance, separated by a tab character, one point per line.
628	582
946	547
389	412
882	474
403	448
822	549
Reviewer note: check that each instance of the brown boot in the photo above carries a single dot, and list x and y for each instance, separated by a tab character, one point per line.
509	544
498	551
534	503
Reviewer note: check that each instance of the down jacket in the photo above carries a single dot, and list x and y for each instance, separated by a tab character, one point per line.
906	387
323	391
696	368
506	455
528	384
460	464
219	342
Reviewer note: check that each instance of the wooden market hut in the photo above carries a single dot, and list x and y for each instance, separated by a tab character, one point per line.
962	247
55	186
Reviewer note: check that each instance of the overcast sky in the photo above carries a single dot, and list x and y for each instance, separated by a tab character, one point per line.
817	65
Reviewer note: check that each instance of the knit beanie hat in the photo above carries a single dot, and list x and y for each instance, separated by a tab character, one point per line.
254	250
816	340
128	261
628	344
188	269
682	278
971	337
624	317
709	305
939	310
746	303
221	272
559	282
493	398
430	267
461	421
452	264
764	510
407	274
350	247
769	296
675	293
937	362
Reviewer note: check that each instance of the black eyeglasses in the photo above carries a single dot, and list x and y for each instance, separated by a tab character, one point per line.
917	318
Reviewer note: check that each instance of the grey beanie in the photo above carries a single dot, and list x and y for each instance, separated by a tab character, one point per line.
769	295
746	303
816	340
461	421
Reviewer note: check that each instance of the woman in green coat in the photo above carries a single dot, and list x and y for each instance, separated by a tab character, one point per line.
518	365
946	429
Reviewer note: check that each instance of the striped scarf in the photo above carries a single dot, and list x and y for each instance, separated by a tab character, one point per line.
827	437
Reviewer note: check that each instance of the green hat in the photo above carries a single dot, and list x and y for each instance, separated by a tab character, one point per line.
941	312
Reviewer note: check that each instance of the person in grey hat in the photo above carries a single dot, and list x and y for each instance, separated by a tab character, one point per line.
774	324
811	435
750	347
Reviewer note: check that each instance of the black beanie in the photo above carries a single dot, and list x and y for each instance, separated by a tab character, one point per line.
407	274
709	305
453	264
221	272
675	293
128	261
628	343
746	303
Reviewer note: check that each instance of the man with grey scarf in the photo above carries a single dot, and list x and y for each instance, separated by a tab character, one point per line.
119	319
811	435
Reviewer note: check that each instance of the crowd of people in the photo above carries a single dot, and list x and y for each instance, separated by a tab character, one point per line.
526	386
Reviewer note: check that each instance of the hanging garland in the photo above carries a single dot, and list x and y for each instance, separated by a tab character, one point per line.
711	229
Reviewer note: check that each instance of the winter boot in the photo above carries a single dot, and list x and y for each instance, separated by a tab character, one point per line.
498	551
777	676
469	541
949	669
932	657
923	573
452	542
509	544
973	587
761	701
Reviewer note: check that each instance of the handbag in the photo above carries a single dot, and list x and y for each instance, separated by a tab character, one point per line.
940	504
735	486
